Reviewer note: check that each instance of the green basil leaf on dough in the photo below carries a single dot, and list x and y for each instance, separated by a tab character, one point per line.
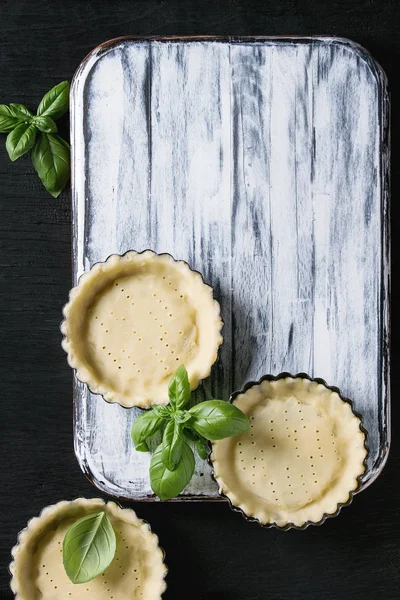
21	112
7	120
179	388
172	444
89	548
168	484
50	157
20	140
217	419
55	103
45	124
146	425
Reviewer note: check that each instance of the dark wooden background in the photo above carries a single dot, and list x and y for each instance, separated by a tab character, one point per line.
211	552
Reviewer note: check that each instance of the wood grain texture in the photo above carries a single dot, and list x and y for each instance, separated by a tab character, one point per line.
263	163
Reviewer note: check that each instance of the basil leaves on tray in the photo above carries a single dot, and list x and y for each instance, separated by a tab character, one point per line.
50	153
172	464
167	484
89	548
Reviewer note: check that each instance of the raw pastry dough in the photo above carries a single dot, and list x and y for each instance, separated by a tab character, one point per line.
132	320
136	573
301	457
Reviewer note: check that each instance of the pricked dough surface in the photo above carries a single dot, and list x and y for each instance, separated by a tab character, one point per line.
300	458
132	320
136	573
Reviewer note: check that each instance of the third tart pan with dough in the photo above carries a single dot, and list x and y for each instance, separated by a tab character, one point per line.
301	459
132	320
137	571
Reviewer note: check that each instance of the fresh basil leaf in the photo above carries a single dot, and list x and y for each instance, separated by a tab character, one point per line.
20	140
190	435
89	547
8	123
162	411
167	484
55	103
50	157
182	416
7	120
21	112
217	419
202	448
146	424
5	110
172	444
45	124
142	447
200	443
179	388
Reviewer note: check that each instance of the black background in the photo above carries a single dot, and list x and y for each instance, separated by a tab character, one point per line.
211	552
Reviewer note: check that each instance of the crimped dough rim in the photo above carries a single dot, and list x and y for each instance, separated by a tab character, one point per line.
86	375
51	514
229	494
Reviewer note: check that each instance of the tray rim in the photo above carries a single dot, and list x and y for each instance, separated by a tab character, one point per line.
99	50
385	155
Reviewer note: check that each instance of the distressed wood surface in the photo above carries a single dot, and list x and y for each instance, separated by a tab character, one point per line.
263	163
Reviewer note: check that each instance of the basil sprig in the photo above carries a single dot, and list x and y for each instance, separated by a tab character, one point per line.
89	547
172	464
50	153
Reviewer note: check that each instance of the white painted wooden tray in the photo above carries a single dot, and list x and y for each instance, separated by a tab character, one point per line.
263	163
